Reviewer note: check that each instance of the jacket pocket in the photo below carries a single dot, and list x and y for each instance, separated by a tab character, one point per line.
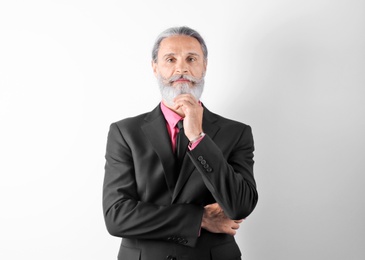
129	253
225	252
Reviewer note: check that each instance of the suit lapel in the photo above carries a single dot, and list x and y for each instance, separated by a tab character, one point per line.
209	126
187	167
156	131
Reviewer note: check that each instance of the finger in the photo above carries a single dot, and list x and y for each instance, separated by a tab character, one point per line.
183	102
213	205
187	98
238	221
231	232
235	226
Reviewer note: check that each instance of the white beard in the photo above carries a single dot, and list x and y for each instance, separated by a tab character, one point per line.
169	92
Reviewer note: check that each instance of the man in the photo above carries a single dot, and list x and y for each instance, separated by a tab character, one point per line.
168	203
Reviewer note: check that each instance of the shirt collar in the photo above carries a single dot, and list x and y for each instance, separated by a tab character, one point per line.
171	117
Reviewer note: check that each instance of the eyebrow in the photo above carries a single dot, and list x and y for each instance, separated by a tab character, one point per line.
172	54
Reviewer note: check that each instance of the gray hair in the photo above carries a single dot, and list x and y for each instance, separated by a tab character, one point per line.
183	30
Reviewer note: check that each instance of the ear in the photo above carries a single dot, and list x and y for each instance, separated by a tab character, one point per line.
154	67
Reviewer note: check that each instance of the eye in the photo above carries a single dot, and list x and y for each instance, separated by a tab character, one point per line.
170	60
191	59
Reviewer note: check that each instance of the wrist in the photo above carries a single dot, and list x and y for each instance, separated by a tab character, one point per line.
196	138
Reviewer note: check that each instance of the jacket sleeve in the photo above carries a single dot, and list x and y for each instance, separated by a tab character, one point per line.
227	169
126	215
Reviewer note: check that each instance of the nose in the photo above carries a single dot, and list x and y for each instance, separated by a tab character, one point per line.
181	67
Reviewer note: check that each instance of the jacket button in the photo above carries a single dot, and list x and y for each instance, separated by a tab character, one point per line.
200	158
170	257
203	162
209	170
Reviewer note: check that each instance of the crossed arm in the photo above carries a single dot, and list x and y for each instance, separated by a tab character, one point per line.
214	218
128	215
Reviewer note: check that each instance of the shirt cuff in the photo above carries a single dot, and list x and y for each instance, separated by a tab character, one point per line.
195	143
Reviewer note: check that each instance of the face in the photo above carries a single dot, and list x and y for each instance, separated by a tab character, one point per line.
180	67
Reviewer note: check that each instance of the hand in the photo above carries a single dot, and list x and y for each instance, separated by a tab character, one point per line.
193	111
215	221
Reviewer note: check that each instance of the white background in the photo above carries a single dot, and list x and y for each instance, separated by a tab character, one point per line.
293	70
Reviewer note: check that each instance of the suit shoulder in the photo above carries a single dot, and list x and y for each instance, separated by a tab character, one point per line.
228	122
131	123
125	122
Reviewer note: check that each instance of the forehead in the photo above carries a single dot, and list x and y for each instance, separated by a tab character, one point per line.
180	44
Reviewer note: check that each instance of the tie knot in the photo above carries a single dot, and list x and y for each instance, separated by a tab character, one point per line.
180	124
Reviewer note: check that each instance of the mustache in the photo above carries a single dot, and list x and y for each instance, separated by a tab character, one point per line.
187	77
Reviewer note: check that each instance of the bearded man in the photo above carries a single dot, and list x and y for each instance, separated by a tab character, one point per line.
179	179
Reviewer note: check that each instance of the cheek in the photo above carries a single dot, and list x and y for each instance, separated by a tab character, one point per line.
198	72
166	72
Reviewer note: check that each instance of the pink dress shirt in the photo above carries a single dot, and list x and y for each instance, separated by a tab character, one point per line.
171	120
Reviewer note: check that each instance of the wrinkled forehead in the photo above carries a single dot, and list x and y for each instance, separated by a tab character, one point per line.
180	45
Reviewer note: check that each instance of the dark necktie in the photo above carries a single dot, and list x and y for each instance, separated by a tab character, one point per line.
181	143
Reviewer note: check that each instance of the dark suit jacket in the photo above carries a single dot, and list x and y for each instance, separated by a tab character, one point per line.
159	217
